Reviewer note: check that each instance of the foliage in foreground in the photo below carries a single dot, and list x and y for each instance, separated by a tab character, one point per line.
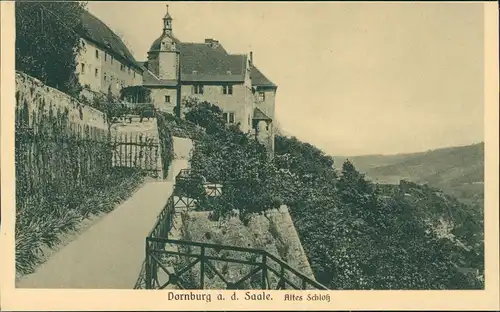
41	223
63	175
357	235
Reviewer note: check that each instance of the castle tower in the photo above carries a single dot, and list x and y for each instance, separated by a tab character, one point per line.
168	55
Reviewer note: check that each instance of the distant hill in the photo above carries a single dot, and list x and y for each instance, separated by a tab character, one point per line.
458	171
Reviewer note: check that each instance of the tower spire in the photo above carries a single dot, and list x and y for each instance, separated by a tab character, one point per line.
167	22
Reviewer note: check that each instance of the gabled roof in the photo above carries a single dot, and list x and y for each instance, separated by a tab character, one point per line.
259	79
101	35
202	62
259	115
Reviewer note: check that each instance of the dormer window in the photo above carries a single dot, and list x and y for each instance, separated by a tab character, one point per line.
262	96
227	89
229	73
194	72
198	89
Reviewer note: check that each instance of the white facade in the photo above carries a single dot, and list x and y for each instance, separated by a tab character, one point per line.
99	70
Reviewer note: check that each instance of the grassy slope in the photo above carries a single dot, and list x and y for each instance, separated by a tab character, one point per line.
459	171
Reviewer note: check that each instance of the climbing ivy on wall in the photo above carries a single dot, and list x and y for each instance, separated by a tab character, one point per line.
64	174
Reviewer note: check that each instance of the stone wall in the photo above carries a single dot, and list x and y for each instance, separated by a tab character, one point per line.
289	234
32	93
182	152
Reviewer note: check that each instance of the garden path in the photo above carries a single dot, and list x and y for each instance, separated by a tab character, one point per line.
109	254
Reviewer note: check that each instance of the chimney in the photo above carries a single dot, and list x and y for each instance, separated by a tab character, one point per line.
251	58
213	43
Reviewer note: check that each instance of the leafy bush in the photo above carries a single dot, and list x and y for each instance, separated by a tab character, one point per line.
234	159
166	142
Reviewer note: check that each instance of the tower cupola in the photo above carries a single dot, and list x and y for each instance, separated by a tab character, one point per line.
167	23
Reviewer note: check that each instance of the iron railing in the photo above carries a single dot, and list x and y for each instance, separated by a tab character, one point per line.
263	267
196	262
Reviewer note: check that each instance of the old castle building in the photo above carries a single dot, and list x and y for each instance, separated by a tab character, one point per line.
104	63
176	70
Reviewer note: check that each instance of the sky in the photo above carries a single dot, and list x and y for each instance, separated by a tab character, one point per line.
353	78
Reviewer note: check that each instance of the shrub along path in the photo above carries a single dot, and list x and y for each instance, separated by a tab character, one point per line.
110	253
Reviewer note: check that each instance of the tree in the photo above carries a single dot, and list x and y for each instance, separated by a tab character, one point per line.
48	42
204	114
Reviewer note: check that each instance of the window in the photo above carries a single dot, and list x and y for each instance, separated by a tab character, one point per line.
106	77
167	98
83	68
96	54
105	56
228	117
198	89
96	72
262	96
134	74
122	67
227	89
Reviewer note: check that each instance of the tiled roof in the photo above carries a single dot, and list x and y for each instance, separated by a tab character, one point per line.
100	34
259	80
259	115
151	80
202	62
